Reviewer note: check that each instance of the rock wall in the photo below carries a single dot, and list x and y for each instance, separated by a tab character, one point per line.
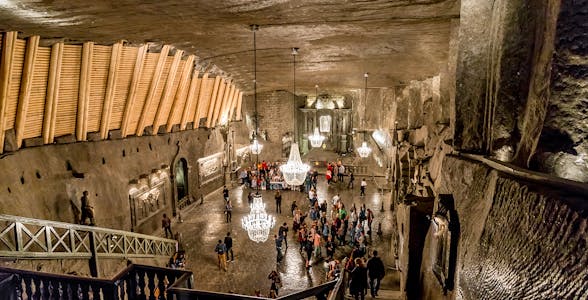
518	239
47	182
563	146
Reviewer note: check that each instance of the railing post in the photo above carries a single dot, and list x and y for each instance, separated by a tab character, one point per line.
94	259
18	236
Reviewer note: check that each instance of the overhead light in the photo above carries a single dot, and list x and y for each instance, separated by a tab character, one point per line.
364	151
294	170
316	139
255	147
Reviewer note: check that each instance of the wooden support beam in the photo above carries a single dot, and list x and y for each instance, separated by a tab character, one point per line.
52	93
84	91
238	114
181	92
201	98
6	66
212	101
226	102
234	104
126	120
152	89
168	90
216	107
190	99
26	85
229	111
115	58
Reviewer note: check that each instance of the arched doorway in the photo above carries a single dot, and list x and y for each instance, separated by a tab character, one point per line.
181	177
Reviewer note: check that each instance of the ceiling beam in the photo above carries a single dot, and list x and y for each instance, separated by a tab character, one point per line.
181	92
214	103
204	90
231	107
115	58
6	66
190	99
84	91
225	105
168	90
133	90
26	85
52	96
152	89
210	103
238	115
221	102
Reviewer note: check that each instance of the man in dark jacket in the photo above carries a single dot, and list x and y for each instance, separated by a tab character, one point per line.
229	245
359	280
376	272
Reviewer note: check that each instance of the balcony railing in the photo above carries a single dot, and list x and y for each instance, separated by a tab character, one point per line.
22	237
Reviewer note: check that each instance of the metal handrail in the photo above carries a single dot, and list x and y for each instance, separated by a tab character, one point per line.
22	237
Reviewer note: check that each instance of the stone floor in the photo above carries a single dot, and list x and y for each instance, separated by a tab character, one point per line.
204	224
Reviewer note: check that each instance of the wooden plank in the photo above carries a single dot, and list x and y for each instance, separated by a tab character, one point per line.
26	87
152	89
36	106
200	98
238	115
231	115
225	114
133	89
8	46
167	91
205	91
110	88
52	93
193	99
84	91
218	119
214	104
181	92
215	88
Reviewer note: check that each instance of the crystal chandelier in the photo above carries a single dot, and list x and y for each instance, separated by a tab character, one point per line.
364	151
258	223
294	170
316	139
255	146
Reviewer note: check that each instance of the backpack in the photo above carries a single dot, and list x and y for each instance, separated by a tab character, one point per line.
362	215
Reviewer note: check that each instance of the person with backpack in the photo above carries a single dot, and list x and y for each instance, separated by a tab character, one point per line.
221	250
376	272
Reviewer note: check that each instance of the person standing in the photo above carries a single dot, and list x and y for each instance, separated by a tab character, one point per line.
221	250
351	179
229	210
341	172
359	280
283	232
229	245
87	209
362	187
278	198
225	193
376	272
166	225
278	240
274	276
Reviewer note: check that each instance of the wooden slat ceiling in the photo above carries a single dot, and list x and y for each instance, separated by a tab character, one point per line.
48	92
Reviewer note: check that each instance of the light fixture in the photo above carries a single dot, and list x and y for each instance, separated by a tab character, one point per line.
255	146
257	223
364	151
294	170
316	139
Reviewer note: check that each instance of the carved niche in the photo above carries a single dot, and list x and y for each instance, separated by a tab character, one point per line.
210	168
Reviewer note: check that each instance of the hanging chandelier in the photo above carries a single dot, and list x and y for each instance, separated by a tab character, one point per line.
255	146
258	223
364	151
316	139
294	170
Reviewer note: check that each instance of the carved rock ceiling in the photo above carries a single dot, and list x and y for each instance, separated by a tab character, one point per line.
394	41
